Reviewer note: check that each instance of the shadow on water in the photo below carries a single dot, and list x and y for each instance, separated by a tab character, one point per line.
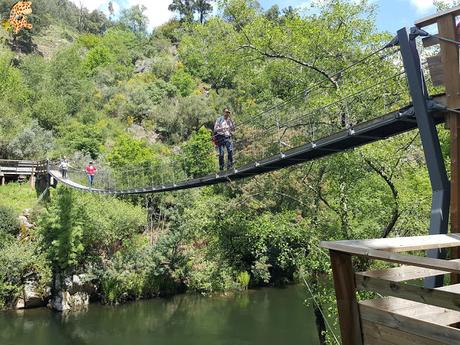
265	317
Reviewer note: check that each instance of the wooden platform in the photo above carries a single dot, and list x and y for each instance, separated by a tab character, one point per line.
405	312
395	321
16	170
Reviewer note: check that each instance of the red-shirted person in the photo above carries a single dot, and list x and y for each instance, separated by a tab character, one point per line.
90	171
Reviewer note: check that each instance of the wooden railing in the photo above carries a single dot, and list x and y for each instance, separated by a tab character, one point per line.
405	312
13	169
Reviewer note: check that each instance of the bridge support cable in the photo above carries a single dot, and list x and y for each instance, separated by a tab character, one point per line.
439	218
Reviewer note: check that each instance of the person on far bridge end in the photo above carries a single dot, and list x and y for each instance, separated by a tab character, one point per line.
90	171
64	166
223	132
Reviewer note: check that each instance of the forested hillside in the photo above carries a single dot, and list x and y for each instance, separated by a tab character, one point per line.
92	87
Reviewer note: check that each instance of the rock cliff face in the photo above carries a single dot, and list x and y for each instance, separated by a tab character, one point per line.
32	296
72	293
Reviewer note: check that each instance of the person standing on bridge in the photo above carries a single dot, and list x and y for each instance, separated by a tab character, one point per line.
90	171
64	166
223	132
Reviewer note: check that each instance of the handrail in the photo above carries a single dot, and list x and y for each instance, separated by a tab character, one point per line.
386	249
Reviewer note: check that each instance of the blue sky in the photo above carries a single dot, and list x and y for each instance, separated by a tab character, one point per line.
391	15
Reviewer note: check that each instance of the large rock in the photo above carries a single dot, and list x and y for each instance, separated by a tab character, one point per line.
63	301
141	133
143	66
31	296
73	293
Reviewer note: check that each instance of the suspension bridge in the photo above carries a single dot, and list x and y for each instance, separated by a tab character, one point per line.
391	90
371	102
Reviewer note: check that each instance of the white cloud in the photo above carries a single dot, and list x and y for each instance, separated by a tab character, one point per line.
425	6
156	10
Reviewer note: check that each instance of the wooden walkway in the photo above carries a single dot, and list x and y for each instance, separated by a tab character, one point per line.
16	169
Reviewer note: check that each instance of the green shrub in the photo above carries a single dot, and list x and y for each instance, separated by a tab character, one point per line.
184	82
9	223
121	286
243	279
61	226
198	154
98	56
17	260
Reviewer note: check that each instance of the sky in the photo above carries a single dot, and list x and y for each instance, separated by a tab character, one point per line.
391	16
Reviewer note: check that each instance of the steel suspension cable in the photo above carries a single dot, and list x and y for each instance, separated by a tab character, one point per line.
318	84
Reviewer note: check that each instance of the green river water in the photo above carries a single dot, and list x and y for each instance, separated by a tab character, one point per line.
257	317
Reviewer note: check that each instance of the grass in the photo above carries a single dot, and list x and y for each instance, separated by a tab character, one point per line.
19	196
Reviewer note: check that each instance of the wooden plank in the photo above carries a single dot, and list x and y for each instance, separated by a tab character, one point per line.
401	244
450	60
444	265
402	273
433	297
430	41
454	128
375	334
436	332
454	11
345	292
436	69
455	288
444	317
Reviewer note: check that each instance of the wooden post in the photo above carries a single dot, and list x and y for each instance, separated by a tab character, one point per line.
345	292
32	178
450	60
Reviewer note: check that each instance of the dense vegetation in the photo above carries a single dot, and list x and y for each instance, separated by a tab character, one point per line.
91	87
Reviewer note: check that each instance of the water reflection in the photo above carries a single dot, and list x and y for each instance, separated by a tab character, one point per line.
266	316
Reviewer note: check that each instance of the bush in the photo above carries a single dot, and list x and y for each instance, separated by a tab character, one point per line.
243	279
33	142
17	260
198	154
98	56
184	82
9	223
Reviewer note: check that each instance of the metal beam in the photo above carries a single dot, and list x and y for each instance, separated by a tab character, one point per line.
439	218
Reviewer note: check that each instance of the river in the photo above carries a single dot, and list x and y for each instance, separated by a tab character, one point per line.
257	317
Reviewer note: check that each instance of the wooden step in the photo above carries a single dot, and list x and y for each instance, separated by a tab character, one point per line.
413	322
402	273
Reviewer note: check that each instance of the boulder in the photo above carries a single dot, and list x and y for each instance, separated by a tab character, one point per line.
31	296
64	300
73	293
142	66
20	304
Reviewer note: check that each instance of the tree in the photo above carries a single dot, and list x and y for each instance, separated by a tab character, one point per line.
203	7
33	142
185	8
135	20
62	230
